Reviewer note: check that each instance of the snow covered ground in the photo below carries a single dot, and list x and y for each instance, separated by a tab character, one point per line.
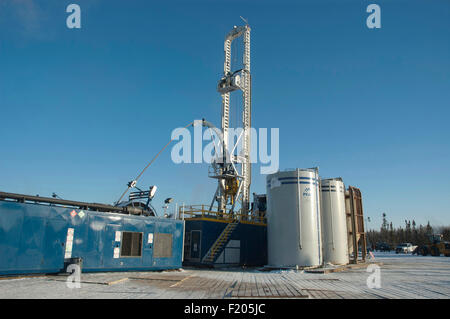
400	276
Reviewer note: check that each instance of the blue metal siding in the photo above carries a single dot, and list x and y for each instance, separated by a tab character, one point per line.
33	237
210	232
253	240
11	222
253	244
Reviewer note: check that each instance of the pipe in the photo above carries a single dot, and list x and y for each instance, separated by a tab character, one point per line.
83	205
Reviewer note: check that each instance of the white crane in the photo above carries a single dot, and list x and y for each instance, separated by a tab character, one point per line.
233	172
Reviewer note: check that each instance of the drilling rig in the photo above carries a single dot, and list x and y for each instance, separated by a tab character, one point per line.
233	172
231	233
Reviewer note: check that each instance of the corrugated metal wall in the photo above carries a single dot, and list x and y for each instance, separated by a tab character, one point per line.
36	238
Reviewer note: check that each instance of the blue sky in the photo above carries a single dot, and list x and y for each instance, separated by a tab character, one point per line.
83	111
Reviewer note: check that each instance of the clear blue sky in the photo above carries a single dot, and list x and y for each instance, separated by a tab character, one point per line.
83	111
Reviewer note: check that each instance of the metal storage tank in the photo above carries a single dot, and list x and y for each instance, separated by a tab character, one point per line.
293	218
334	223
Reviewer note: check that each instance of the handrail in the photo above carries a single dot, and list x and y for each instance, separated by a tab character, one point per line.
202	211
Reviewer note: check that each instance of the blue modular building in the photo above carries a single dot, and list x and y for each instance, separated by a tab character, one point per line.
215	239
219	243
41	235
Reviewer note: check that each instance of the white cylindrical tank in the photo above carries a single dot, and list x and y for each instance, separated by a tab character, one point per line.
293	218
334	222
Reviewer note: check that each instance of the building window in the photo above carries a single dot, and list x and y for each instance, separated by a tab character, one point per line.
163	245
131	244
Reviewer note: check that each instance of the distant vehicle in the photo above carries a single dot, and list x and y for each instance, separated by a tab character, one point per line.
405	248
382	247
436	247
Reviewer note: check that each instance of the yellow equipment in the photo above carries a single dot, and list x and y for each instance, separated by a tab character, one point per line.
231	189
436	247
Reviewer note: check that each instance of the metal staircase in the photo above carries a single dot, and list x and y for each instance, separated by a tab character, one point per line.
219	245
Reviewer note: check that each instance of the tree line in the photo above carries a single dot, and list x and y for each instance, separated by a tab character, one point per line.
409	233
